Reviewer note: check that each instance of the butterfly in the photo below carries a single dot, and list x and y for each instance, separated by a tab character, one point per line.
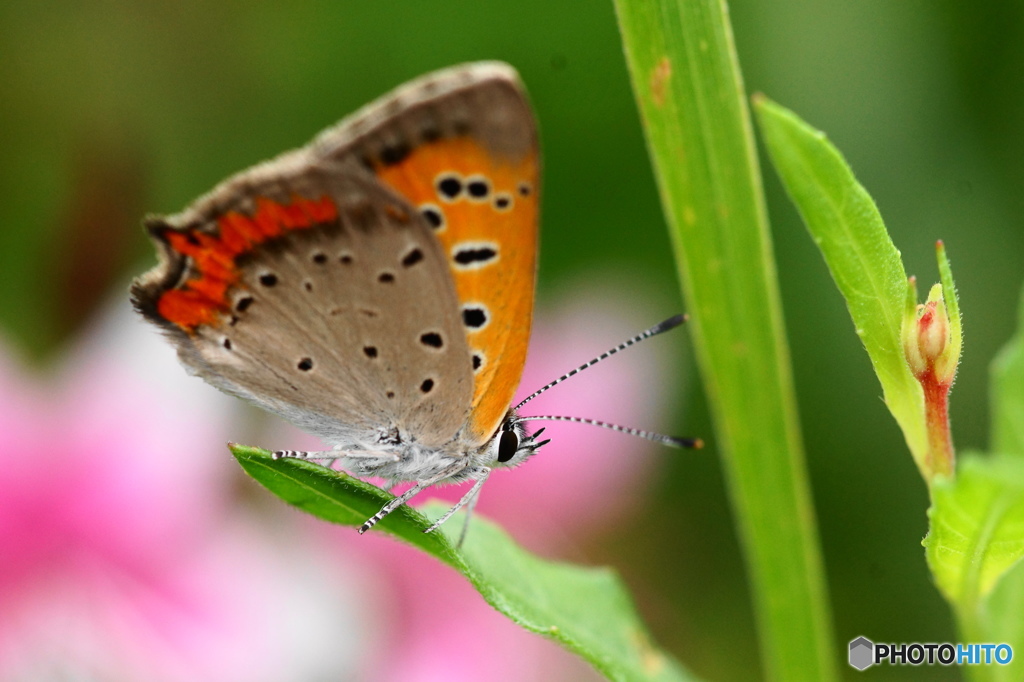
376	286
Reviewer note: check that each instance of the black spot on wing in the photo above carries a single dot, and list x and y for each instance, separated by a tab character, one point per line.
474	317
432	339
475	256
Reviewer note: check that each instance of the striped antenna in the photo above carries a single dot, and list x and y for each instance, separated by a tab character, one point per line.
670	323
672	441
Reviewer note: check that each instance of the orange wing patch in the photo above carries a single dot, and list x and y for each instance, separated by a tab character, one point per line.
203	296
484	210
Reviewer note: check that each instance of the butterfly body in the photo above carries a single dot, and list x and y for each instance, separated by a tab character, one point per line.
376	286
391	457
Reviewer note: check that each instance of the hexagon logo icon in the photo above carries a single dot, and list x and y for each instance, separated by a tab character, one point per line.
862	653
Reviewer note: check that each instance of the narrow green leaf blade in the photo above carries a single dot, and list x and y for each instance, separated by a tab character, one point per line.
1008	393
951	301
977	527
586	610
688	86
848	229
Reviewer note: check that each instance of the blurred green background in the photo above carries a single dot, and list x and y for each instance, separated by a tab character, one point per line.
112	109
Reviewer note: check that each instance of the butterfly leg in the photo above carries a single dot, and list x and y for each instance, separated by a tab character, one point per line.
469	509
397	502
331	454
469	498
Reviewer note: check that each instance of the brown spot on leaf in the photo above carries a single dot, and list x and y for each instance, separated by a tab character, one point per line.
659	80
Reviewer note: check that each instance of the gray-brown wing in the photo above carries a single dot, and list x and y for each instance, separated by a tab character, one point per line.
319	295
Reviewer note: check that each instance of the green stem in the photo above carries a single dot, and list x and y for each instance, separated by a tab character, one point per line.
687	82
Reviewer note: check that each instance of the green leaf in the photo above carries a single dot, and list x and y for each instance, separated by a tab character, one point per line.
1000	621
952	304
977	527
339	498
687	82
586	610
974	549
997	618
1008	393
846	225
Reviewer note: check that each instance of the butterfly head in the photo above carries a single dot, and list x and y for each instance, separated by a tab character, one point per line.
511	445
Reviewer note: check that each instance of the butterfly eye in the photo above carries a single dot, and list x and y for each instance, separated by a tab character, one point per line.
507	446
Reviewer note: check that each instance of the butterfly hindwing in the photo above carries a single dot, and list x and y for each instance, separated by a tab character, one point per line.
318	295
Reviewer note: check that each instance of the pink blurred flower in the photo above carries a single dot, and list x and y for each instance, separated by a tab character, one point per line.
122	553
439	628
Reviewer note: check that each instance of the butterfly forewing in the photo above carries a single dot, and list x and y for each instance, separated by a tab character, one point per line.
461	147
